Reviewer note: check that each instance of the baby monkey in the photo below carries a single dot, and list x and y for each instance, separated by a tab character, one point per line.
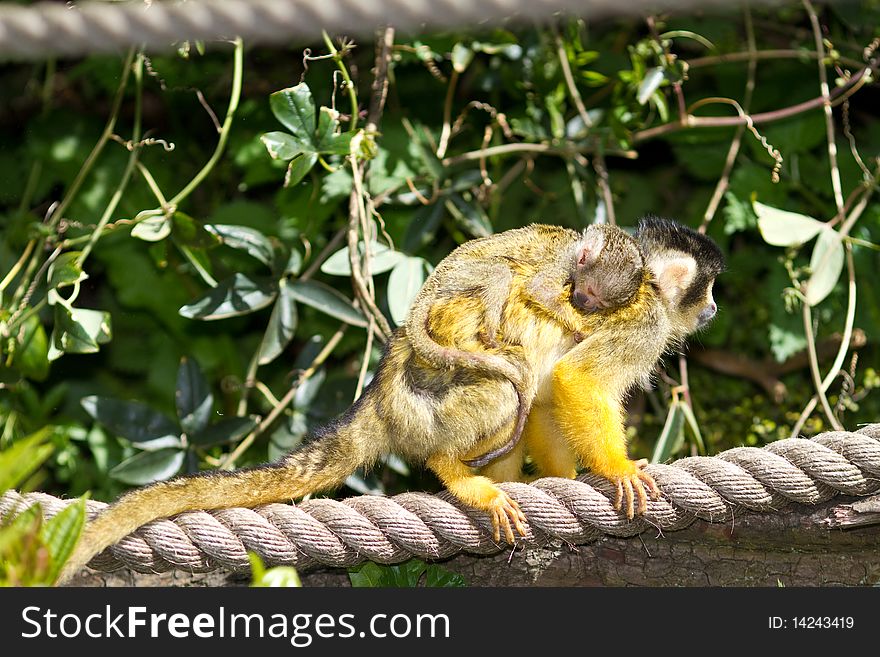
563	274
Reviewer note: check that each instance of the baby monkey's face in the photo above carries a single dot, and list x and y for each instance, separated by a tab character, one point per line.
609	269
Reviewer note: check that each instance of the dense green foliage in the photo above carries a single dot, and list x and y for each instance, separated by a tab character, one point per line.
153	313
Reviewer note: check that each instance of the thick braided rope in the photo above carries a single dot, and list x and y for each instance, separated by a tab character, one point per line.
393	529
47	29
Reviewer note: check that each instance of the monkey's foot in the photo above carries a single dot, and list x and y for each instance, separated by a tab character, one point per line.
504	512
632	486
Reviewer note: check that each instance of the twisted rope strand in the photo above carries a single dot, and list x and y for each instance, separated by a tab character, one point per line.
46	29
394	529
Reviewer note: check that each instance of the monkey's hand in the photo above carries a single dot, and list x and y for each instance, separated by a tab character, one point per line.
633	486
504	512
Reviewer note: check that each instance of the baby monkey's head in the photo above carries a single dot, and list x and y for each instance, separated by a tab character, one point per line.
685	264
608	269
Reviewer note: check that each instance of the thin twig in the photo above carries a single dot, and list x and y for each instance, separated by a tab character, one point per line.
278	408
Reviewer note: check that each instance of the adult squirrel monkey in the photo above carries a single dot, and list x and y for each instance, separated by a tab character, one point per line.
438	416
579	417
561	273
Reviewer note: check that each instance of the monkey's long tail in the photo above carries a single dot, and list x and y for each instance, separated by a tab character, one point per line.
322	463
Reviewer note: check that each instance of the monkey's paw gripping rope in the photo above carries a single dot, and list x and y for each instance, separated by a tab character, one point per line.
394	529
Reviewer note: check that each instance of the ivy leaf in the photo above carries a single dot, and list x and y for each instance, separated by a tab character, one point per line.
192	233
782	228
246	239
282	324
295	109
382	258
154	228
21	458
826	264
282	145
193	397
78	331
404	283
233	297
132	420
32	352
65	270
327	300
299	167
146	467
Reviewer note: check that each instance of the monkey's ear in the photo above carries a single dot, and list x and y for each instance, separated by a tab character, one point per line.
674	275
589	247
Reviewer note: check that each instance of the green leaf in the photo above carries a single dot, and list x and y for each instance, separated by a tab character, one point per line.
282	324
282	145
692	424
382	258
32	352
403	575
78	331
438	577
649	85
462	56
146	467
470	216
65	270
672	437
294	263
193	233
277	577
132	420
227	430
826	264
242	238
782	228
404	283
61	533
23	457
295	109
193	397
423	226
299	168
154	228
327	300
239	295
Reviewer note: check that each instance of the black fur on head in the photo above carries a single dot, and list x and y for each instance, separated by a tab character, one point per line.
659	234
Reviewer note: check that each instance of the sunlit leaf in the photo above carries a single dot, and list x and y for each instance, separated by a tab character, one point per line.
382	258
672	437
24	456
295	109
404	283
327	300
60	534
154	228
147	467
462	56
65	270
235	296
246	239
783	228
299	167
649	84
826	264
283	145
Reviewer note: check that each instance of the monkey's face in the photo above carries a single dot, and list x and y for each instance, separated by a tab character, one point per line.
608	269
695	316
